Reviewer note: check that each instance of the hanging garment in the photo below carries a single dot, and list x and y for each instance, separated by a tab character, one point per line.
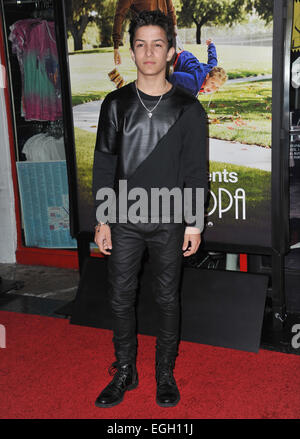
33	41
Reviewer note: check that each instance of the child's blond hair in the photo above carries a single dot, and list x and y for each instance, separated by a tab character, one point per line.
219	73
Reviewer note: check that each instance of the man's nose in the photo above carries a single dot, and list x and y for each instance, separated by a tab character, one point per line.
148	50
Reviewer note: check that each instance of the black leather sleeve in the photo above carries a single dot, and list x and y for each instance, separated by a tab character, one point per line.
104	169
107	129
195	156
105	158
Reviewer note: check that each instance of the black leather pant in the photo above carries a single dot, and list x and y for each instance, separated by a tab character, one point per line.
164	243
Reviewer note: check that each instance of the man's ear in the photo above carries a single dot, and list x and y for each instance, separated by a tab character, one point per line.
132	54
170	53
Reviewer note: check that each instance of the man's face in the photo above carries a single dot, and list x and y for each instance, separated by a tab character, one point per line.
212	84
151	52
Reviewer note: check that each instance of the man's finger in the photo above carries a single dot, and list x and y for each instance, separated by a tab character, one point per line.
191	250
108	239
104	247
195	241
185	242
103	241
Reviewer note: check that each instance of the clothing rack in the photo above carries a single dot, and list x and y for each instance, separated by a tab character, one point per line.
39	4
38	9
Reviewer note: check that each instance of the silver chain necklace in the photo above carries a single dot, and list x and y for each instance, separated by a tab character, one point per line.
147	109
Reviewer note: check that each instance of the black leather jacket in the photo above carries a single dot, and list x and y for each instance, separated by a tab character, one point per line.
125	128
166	150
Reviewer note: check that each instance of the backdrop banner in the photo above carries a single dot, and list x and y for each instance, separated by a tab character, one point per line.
239	40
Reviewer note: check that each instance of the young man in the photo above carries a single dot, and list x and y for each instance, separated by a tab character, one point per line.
136	6
195	76
151	135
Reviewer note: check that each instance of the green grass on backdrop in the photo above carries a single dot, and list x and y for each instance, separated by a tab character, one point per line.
241	112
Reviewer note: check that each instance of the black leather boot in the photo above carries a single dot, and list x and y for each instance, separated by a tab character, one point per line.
125	378
167	394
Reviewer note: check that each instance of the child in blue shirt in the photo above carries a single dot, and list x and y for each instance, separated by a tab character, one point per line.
197	77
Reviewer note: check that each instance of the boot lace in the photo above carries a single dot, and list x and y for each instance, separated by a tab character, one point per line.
118	373
165	374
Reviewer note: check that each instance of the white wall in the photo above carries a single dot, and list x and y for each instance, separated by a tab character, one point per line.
8	231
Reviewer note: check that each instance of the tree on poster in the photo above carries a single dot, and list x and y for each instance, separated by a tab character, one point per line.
78	14
207	12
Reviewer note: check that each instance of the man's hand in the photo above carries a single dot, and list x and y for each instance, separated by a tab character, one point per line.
103	239
117	56
208	41
195	240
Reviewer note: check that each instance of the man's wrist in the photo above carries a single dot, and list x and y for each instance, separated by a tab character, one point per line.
189	230
100	224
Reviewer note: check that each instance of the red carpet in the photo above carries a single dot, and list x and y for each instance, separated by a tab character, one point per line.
53	370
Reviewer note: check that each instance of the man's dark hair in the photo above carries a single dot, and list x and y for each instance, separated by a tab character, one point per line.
153	18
